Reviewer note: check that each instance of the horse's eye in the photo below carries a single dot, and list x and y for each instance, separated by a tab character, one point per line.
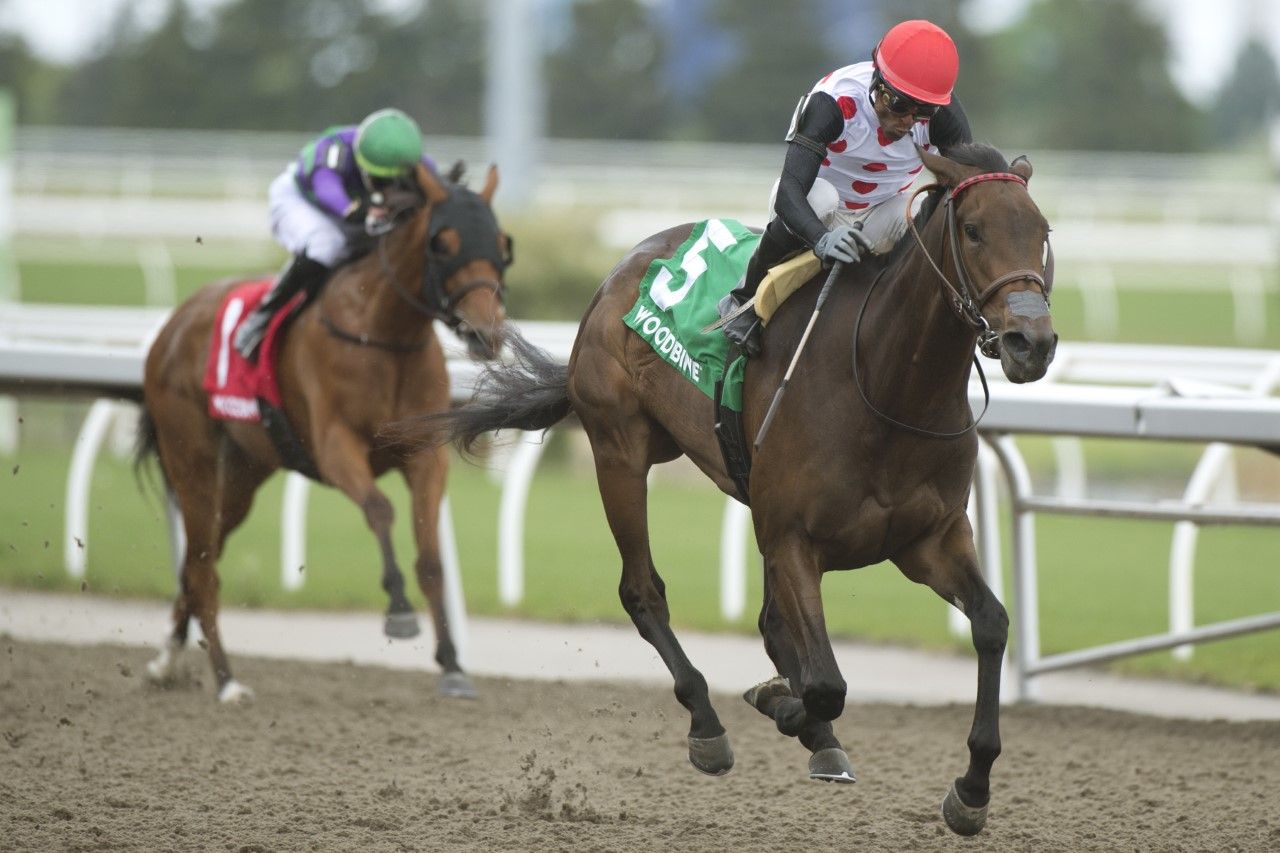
439	246
971	231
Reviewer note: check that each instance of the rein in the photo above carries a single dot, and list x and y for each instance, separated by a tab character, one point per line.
439	303
364	340
965	303
914	430
471	217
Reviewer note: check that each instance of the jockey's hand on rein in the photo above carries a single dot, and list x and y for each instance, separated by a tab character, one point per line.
378	221
842	243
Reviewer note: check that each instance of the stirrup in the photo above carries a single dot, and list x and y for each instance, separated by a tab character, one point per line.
744	330
730	309
249	348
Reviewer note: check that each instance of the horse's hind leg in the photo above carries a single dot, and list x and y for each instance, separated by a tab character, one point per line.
343	459
214	485
623	453
828	762
425	474
948	564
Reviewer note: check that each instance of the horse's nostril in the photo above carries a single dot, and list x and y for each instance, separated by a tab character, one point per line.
1015	344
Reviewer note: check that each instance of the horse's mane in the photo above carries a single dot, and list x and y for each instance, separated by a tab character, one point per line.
979	155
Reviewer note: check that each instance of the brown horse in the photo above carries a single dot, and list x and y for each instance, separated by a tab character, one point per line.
363	354
846	478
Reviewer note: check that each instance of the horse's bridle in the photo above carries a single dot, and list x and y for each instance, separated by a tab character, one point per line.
967	303
468	214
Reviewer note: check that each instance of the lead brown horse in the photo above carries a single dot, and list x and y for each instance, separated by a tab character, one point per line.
362	355
869	459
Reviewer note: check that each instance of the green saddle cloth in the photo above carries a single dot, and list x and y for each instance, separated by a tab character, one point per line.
679	296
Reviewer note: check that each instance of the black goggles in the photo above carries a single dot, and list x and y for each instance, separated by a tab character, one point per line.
376	183
899	104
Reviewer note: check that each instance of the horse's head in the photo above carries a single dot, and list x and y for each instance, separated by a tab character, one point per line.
999	255
466	255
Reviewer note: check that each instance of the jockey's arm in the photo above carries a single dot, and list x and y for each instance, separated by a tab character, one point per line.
331	195
950	127
818	121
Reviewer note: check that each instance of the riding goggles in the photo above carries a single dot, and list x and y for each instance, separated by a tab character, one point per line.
899	104
377	183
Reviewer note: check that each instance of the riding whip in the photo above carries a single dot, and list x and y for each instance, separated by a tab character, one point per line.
804	339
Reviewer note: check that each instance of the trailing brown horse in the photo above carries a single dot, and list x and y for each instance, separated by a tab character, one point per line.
861	465
363	354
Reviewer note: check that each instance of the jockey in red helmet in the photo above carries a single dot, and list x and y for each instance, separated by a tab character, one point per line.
851	155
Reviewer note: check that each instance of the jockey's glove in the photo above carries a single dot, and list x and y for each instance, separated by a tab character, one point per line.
843	243
378	222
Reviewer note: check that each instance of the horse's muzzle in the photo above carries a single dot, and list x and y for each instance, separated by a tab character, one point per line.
1026	354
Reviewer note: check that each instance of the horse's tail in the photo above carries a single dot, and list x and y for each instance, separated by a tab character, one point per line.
530	392
147	447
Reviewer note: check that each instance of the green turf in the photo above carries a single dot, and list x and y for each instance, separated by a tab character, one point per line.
111	284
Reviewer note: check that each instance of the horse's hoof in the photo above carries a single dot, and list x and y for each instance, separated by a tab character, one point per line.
711	755
160	668
962	819
775	687
831	765
401	626
456	685
235	693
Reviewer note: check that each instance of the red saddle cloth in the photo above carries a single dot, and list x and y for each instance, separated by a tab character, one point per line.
231	381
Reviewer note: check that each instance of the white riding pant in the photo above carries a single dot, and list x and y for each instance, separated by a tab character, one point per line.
300	227
882	224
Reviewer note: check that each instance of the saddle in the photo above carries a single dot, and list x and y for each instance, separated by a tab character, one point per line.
783	280
240	390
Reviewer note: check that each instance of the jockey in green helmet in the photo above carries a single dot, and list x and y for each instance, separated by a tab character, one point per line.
328	203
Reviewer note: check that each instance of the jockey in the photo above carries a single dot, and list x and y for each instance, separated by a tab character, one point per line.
851	156
326	204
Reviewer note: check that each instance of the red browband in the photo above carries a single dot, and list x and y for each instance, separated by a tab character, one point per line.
986	176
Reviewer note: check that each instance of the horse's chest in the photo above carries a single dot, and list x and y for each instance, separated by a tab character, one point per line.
877	526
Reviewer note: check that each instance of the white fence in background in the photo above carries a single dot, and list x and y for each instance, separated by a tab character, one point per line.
139	195
51	347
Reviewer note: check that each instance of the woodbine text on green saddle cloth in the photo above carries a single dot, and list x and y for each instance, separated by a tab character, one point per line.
678	298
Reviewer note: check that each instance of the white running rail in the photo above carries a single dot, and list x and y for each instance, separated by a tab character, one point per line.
1172	393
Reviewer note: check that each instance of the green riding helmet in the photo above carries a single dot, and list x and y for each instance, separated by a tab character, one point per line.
388	144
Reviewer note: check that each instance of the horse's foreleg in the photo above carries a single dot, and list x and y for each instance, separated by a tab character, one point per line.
795	584
343	460
425	474
948	564
624	494
774	699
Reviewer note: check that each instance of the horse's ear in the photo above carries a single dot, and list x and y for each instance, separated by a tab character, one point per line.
432	189
1021	167
948	172
456	171
490	184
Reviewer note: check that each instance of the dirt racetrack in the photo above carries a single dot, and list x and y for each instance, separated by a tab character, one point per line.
339	757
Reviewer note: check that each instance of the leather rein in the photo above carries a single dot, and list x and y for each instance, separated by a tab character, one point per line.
966	303
471	217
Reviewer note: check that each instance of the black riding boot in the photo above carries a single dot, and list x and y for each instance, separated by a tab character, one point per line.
743	330
303	273
777	243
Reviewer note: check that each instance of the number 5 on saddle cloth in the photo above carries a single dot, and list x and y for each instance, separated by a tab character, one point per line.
678	299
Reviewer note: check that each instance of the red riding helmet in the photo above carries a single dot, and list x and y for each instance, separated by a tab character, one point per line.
919	60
